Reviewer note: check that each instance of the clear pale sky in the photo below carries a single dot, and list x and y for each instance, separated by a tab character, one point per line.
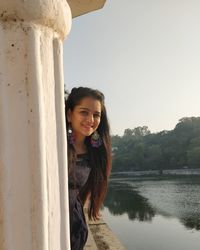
144	55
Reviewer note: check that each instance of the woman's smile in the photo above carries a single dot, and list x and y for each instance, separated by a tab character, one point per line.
87	127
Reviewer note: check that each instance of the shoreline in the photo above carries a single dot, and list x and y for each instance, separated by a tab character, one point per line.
156	173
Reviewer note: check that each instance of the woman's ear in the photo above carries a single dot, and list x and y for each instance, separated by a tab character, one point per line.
69	112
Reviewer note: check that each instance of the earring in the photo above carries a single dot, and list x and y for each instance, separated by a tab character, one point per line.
96	140
70	135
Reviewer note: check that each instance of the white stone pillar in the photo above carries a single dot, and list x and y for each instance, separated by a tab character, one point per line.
33	163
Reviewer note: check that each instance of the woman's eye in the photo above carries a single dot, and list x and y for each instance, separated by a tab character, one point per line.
84	112
97	116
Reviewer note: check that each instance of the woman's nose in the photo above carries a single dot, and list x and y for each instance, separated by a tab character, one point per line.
90	118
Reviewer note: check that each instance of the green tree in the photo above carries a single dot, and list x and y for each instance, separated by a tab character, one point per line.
138	148
193	156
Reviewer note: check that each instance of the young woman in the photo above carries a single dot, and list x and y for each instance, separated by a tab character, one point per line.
89	158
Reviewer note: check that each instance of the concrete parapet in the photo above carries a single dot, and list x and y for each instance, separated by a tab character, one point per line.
101	237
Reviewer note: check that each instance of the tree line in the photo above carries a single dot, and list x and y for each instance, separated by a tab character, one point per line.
139	149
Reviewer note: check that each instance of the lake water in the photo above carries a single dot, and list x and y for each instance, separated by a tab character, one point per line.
155	214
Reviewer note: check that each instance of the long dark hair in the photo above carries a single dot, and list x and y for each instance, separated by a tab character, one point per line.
99	158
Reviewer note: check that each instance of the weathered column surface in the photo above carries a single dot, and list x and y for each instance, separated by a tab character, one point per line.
33	169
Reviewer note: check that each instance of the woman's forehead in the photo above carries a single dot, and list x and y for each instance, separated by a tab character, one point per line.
89	103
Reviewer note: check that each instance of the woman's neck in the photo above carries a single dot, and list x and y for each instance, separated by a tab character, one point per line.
80	146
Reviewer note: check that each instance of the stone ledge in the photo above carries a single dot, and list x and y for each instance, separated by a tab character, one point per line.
101	237
90	244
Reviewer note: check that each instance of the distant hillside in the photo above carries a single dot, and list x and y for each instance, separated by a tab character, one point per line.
139	149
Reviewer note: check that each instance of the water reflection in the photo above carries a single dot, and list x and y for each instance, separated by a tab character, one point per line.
143	200
191	223
121	198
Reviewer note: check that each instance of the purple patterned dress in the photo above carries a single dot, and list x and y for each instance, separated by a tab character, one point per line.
78	226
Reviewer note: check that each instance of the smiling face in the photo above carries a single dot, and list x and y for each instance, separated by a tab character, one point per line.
85	117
